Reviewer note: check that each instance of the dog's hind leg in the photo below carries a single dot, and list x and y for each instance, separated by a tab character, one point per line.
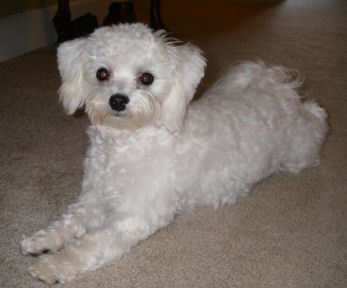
306	138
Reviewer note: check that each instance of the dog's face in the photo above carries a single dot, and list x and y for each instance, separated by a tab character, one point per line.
128	77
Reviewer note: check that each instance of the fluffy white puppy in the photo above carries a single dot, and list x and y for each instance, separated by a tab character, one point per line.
151	155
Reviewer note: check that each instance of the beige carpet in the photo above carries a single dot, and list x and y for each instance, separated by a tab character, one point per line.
291	232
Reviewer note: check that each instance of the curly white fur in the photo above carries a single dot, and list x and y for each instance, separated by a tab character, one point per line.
156	157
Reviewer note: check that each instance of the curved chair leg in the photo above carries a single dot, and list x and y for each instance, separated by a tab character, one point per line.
155	20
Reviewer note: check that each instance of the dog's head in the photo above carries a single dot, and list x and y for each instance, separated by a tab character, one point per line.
127	76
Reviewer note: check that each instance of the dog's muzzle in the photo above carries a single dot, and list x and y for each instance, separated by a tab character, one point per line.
118	102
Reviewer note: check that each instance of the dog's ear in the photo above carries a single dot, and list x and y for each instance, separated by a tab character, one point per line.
189	69
71	59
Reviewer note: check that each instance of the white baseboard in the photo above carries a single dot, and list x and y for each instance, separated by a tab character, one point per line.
25	32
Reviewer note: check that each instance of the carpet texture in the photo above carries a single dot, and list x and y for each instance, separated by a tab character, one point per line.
291	231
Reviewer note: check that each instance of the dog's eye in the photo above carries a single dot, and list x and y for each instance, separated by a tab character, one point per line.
146	78
102	74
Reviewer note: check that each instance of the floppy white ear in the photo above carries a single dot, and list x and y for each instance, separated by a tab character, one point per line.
71	59
189	69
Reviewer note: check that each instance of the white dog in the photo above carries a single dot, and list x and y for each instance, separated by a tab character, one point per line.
151	155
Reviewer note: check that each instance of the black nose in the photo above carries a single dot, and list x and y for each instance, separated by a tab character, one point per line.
118	102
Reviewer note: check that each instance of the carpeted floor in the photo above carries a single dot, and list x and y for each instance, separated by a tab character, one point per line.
291	232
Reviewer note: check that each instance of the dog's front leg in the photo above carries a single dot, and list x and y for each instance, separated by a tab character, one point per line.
88	213
95	248
74	223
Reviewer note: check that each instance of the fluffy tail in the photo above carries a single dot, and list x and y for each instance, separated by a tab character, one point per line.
245	74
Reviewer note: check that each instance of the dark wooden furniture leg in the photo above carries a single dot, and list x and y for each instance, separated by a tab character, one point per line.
62	21
155	20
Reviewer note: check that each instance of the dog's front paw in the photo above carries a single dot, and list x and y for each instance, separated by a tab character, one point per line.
52	269
34	246
44	271
40	243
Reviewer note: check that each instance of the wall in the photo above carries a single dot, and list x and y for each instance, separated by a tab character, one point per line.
33	28
10	7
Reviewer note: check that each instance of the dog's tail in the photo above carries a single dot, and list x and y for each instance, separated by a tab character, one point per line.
247	74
